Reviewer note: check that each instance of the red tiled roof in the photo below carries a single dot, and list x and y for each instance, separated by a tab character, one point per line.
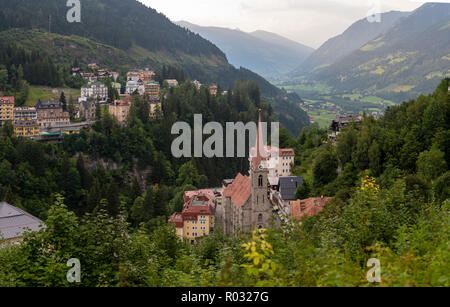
308	207
239	191
188	195
9	100
287	152
177	219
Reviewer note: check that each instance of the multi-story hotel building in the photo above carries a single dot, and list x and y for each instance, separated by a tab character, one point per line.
51	114
198	216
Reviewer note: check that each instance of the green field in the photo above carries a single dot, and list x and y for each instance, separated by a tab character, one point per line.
47	93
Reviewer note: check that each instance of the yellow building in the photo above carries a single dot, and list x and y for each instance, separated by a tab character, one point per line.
6	109
198	216
152	89
26	128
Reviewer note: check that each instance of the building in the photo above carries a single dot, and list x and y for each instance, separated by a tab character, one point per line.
147	76
76	71
117	86
213	90
120	110
288	187
198	216
197	84
155	107
171	82
134	75
6	109
91	77
87	110
152	89
94	90
26	128
93	66
279	162
14	222
51	113
133	86
25	113
342	121
308	207
246	203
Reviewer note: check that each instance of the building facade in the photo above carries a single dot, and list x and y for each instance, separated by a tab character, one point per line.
152	89
25	113
87	110
26	128
6	109
120	110
95	90
51	113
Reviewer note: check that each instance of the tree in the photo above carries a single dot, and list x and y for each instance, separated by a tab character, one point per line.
431	164
375	159
325	166
303	191
63	101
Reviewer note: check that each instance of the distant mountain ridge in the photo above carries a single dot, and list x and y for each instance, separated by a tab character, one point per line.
357	35
406	60
266	53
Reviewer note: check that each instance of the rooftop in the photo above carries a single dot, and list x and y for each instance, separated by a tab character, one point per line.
308	207
239	191
14	222
289	186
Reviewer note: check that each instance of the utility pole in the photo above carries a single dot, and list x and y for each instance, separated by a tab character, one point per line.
50	23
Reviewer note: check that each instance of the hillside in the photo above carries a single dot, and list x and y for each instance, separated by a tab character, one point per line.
129	34
408	59
268	54
357	35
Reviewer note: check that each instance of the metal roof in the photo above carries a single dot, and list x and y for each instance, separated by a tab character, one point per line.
289	186
14	222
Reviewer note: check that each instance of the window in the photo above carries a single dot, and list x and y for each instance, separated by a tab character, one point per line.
260	218
260	181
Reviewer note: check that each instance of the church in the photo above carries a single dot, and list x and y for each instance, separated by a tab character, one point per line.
246	202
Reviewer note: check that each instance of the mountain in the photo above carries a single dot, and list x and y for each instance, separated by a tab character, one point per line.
357	35
408	59
268	54
130	34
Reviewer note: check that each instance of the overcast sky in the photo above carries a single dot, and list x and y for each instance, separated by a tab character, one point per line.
311	22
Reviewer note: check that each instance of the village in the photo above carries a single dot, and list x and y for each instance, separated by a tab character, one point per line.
263	198
49	121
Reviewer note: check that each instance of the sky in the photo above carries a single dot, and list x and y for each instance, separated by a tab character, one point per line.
310	22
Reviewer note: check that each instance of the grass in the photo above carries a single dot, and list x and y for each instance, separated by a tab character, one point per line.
47	93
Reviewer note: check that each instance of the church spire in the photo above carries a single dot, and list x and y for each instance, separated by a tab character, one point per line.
260	150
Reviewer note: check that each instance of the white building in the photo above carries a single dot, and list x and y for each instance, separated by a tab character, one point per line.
96	90
132	86
279	162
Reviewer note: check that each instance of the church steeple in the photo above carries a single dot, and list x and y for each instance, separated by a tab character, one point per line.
260	150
